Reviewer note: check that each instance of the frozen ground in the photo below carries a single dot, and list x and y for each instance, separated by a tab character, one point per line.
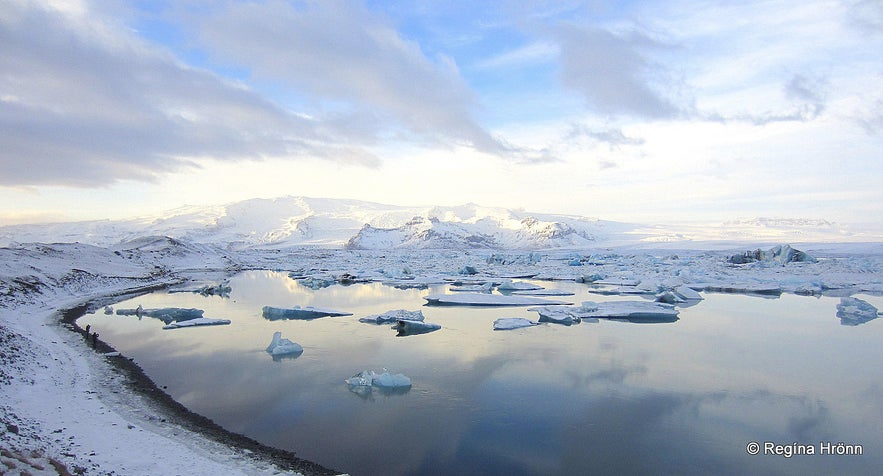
65	403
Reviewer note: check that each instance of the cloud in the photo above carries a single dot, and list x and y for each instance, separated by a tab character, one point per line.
612	72
84	102
343	54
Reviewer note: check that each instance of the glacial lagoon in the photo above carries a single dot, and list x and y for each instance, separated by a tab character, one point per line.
687	397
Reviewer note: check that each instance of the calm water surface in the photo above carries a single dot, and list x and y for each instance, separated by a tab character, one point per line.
682	397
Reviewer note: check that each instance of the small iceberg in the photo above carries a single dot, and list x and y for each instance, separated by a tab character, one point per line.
771	290
509	323
635	311
365	381
199	321
854	311
406	327
165	314
474	288
542	292
275	313
393	316
509	285
477	299
282	347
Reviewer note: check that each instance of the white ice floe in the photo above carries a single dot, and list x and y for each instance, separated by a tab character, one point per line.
854	311
542	292
617	281
509	285
280	346
199	321
406	327
474	288
393	316
477	299
275	313
738	288
687	293
165	314
632	310
508	323
363	382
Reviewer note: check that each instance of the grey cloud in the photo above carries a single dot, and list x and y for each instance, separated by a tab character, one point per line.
343	53
82	103
808	102
612	72
614	138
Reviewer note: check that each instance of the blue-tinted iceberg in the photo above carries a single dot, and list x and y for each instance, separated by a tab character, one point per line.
508	323
393	316
509	285
275	313
365	381
638	311
199	321
281	346
854	311
406	327
165	314
477	299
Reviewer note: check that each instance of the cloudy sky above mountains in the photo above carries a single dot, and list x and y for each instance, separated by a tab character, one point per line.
651	111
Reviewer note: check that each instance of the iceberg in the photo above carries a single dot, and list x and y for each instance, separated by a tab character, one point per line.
542	292
509	285
854	311
406	327
638	311
508	323
393	316
365	381
474	288
199	321
281	346
476	299
166	314
779	254
275	313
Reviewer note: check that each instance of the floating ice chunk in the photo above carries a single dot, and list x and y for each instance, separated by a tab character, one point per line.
687	293
474	288
108	310
406	327
476	299
199	321
393	316
631	310
542	292
280	346
509	285
854	311
365	381
620	290
617	281
166	314
507	323
275	313
221	289
669	297
741	288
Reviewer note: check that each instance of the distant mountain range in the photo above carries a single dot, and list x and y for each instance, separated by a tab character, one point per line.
302	221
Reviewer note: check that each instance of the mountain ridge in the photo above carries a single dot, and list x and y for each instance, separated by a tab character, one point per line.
293	221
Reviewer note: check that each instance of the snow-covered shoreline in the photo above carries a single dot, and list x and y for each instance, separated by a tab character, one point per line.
64	402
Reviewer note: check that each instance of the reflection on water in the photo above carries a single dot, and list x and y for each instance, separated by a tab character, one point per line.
607	396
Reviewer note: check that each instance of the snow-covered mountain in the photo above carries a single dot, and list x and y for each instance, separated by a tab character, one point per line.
302	221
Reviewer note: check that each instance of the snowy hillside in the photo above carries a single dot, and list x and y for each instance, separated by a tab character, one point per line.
302	221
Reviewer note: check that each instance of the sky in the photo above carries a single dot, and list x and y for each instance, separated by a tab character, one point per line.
649	112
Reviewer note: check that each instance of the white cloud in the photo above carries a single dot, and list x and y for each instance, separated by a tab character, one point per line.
340	51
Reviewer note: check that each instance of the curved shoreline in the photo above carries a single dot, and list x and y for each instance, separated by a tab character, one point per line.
138	382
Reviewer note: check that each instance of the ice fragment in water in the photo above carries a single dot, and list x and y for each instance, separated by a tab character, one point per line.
274	313
854	311
406	327
393	316
199	321
507	323
281	346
